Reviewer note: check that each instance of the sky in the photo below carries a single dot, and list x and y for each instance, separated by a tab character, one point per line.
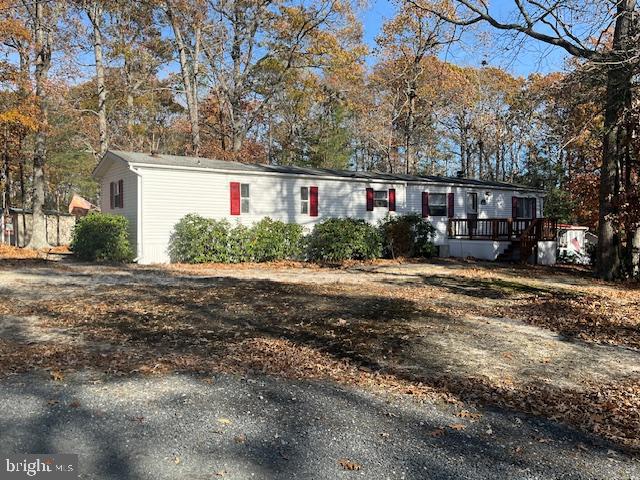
532	57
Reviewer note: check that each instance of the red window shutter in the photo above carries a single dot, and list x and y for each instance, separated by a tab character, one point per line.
121	192
313	201
514	207
392	199
112	188
369	199
234	187
425	204
450	205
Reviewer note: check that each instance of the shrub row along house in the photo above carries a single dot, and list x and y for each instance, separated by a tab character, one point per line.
481	219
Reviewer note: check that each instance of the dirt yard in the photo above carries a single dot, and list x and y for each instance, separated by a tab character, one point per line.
551	342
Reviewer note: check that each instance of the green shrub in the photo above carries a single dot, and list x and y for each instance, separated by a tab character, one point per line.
273	240
407	235
101	237
201	240
198	240
338	239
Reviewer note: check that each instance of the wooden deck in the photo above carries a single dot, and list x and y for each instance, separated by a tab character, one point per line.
504	229
522	233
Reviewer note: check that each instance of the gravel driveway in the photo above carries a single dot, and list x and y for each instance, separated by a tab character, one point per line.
205	424
180	426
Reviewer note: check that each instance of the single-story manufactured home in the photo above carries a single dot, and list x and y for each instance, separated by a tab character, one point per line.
473	218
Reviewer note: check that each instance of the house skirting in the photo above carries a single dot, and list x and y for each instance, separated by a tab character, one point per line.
480	249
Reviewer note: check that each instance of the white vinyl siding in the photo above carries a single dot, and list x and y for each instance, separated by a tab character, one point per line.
167	194
119	170
170	194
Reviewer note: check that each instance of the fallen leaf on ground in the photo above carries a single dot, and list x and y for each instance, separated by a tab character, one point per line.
438	432
457	426
468	414
349	465
224	421
57	375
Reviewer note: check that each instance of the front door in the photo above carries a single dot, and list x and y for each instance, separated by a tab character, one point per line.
472	211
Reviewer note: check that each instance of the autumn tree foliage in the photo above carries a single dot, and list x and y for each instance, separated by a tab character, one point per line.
604	36
282	82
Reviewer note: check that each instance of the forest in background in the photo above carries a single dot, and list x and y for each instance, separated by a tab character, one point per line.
287	82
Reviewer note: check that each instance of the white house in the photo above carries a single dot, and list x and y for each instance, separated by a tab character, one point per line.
474	218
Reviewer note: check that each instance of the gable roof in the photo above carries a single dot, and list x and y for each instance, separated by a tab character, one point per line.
137	158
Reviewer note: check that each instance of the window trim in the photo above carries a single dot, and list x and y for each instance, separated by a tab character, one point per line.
245	198
475	211
526	205
433	206
116	192
381	200
305	202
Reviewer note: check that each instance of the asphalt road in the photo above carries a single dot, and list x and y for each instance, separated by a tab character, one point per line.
177	426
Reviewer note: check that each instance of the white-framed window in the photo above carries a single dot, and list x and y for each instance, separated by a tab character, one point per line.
525	207
304	200
244	198
117	194
437	204
381	198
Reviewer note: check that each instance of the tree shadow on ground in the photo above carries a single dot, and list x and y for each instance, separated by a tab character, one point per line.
209	324
167	427
493	288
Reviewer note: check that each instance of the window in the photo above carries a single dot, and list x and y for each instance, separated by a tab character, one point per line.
244	198
437	204
381	198
117	194
472	203
525	207
304	200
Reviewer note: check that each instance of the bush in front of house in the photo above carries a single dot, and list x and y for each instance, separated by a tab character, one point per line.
275	240
339	239
103	238
407	235
196	239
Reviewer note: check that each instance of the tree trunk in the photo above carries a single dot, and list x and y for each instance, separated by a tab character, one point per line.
618	93
409	130
23	202
237	125
130	107
189	72
6	200
94	12
43	63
